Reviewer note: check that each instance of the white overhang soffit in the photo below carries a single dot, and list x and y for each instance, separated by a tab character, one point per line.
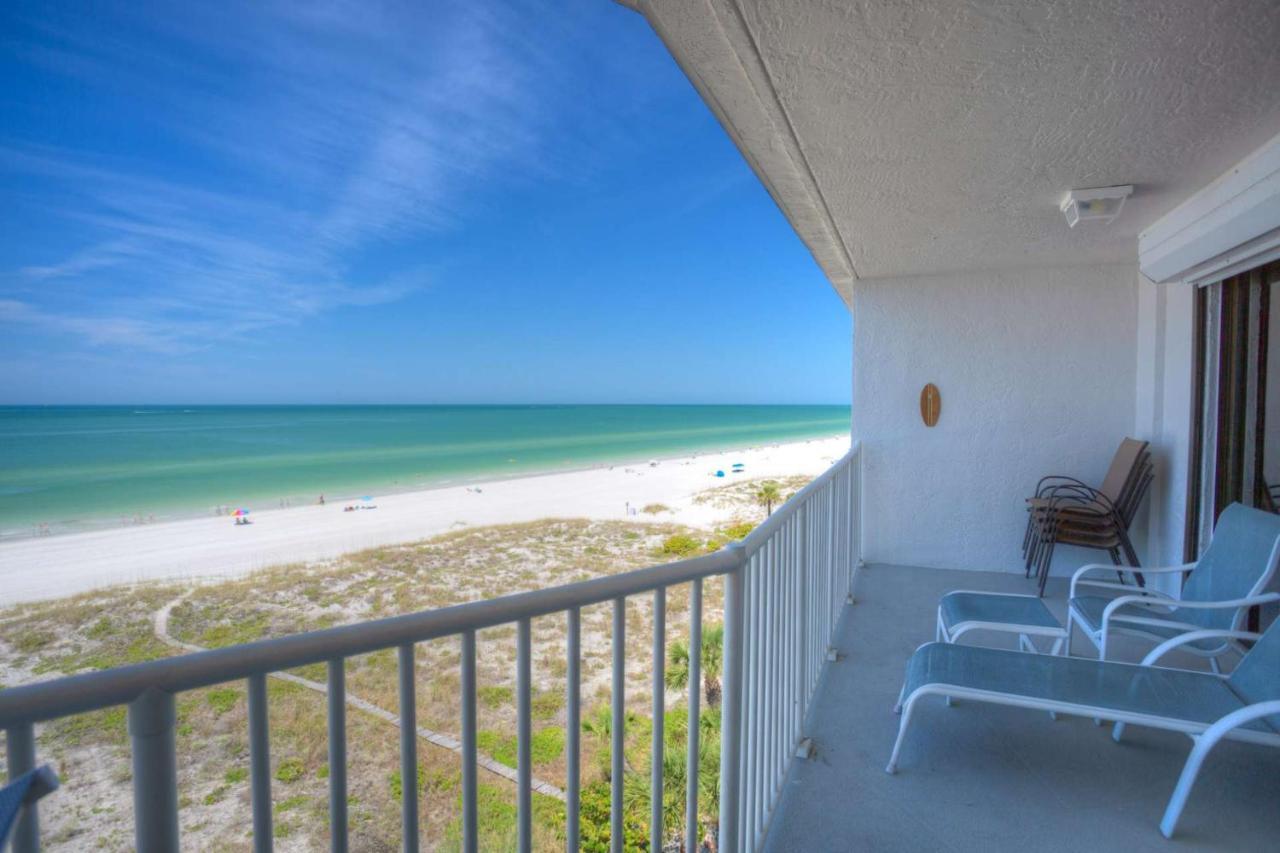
907	138
713	46
1230	226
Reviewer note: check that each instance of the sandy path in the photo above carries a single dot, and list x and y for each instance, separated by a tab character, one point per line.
51	567
160	626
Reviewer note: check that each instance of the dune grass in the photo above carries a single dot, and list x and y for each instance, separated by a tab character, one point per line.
114	627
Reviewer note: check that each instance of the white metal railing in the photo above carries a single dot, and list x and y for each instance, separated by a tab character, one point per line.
785	587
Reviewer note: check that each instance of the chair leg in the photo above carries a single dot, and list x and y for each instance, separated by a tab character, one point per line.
1185	781
1114	553
1031	552
1045	565
897	706
902	733
1132	556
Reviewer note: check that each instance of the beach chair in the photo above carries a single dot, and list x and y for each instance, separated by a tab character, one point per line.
1231	576
1244	706
22	792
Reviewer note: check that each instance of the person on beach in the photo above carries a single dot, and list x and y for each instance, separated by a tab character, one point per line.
322	500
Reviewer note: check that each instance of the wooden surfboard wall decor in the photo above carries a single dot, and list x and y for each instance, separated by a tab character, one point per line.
930	404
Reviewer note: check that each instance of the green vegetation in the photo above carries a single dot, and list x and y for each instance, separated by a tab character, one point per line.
495	697
738	531
223	699
595	807
547	745
655	509
547	704
768	494
681	545
114	626
289	770
677	670
291	803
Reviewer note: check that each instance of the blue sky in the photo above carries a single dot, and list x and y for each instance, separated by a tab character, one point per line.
361	202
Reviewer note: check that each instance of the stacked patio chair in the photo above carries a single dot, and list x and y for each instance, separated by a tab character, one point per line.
1067	511
1270	498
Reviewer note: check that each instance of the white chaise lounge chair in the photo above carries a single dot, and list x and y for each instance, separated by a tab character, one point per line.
1243	706
1231	576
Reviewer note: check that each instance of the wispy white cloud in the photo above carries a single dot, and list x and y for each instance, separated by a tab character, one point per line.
371	127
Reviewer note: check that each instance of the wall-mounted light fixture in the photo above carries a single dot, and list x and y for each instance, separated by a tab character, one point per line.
1101	204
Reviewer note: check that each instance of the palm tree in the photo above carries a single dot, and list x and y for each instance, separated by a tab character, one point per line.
767	495
677	674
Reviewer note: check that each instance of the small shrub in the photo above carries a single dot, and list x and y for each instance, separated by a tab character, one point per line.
223	699
546	745
216	795
681	545
290	770
494	697
655	509
32	641
291	803
397	785
738	531
546	705
499	747
236	775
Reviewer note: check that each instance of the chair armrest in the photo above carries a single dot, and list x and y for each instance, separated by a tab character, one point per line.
1247	601
1040	485
1080	499
1109	615
1193	637
1127	588
1079	573
1077	577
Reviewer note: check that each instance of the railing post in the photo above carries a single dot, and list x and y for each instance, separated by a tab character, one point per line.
407	671
617	730
573	728
524	734
803	516
21	752
691	840
470	828
260	764
659	717
731	706
338	756
155	771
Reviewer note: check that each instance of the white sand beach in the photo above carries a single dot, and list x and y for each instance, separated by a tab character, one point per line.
206	548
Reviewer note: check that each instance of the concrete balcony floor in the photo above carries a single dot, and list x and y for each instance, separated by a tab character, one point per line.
982	777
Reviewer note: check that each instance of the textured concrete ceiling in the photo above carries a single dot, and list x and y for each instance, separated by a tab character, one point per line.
909	138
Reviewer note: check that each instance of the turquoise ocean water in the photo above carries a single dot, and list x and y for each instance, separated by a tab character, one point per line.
76	468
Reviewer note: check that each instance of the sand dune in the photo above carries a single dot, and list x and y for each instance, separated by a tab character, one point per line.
52	567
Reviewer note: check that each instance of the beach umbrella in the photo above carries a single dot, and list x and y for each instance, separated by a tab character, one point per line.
367	498
240	512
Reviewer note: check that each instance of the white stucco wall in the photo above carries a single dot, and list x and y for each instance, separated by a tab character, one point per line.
1036	369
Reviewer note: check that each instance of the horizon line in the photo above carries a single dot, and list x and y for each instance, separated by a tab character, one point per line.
382	404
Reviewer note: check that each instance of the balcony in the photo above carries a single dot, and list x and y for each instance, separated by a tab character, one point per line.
802	666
